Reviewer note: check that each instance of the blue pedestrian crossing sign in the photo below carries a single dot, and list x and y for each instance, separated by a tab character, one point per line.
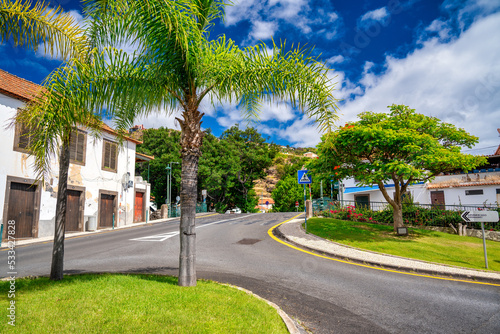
303	178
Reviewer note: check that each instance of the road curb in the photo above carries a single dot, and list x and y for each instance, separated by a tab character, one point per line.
474	279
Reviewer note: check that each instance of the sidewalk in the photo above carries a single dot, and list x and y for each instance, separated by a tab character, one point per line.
77	234
293	232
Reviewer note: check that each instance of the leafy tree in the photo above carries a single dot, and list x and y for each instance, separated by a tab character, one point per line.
286	193
164	145
229	165
176	67
402	148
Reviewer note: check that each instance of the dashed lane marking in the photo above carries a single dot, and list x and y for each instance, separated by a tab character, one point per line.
165	236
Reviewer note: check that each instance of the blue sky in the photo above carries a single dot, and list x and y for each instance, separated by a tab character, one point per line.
439	57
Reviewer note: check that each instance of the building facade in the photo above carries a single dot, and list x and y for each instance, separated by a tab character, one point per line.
102	189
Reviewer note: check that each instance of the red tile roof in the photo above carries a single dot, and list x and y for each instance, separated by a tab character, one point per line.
466	184
16	87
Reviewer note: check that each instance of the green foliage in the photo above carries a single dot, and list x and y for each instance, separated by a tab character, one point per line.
401	147
286	193
164	145
228	167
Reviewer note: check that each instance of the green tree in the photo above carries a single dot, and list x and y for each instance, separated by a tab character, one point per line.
164	145
402	148
286	193
176	66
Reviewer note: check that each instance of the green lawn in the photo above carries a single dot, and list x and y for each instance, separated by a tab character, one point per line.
134	304
419	244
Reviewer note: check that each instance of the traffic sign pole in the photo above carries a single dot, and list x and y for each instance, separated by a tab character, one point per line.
484	246
482	217
305	206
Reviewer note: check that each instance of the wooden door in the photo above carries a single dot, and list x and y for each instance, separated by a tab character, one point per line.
437	199
22	209
139	207
73	211
106	211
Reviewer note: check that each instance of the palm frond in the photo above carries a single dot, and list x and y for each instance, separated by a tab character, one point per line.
29	25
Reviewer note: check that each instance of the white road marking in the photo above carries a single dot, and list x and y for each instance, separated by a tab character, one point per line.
165	236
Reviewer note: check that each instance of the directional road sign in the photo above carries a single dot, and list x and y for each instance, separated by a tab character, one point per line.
303	178
480	216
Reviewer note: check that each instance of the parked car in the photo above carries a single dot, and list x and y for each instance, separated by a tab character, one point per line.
232	211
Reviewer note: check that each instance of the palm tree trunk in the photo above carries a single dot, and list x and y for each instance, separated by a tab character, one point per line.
191	141
187	257
56	272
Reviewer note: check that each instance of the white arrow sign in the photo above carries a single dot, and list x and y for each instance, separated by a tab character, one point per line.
480	216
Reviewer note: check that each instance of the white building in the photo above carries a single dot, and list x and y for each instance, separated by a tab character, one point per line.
478	187
101	183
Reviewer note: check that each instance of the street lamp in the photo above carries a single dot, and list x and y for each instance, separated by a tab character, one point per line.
169	185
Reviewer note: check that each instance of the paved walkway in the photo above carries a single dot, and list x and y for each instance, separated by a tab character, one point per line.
293	232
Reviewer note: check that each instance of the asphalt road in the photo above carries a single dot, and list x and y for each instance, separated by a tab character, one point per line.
326	296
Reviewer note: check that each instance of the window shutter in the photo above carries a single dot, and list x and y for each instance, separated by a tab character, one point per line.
113	157
107	154
24	136
80	147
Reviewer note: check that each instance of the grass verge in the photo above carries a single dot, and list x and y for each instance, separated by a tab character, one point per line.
424	245
133	304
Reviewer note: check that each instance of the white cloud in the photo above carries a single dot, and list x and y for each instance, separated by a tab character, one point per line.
335	60
457	81
263	30
302	133
285	14
379	15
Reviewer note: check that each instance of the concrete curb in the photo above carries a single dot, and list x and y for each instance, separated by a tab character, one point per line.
446	271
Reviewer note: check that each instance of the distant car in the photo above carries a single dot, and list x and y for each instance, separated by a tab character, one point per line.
233	211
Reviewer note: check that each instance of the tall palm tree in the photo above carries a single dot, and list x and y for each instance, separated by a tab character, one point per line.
177	65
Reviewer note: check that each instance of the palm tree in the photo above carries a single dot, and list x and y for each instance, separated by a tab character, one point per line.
50	115
177	65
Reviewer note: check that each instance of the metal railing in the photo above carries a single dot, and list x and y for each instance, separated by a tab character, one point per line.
175	209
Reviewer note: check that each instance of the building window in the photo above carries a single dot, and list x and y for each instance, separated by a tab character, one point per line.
498	191
22	138
474	192
109	155
77	147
